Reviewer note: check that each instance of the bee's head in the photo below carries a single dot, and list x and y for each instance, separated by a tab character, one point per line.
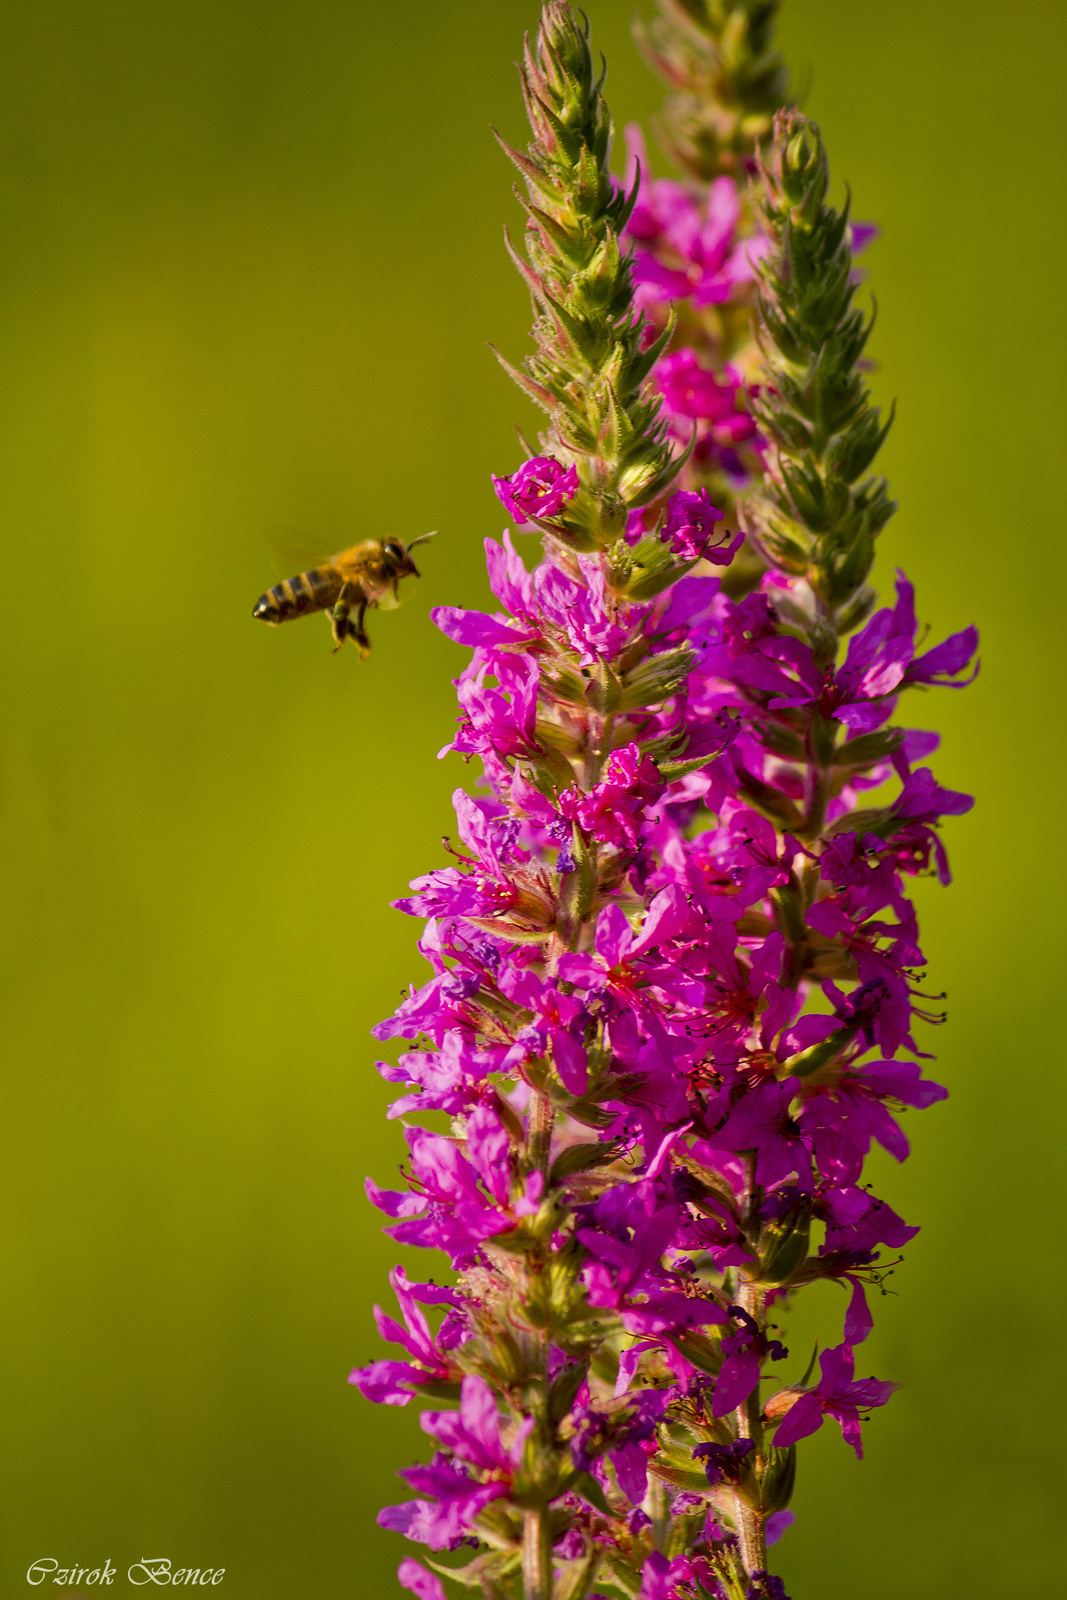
401	554
396	553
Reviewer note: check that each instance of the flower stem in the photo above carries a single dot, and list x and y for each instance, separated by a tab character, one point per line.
660	1509
539	1139
750	1524
537	1555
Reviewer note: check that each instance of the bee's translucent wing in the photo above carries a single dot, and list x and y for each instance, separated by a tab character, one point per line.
292	552
389	601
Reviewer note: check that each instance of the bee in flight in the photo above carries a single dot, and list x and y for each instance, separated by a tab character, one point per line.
366	574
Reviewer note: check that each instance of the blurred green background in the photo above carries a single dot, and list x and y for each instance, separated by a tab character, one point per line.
250	261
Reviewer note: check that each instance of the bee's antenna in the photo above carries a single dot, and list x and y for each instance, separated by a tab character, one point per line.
423	538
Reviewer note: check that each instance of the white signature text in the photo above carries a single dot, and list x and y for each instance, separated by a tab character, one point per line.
150	1569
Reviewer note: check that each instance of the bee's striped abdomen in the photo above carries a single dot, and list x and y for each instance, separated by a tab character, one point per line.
308	591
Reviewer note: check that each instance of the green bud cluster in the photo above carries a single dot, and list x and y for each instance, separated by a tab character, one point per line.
588	369
818	512
729	80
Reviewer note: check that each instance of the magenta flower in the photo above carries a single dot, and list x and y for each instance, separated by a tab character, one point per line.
765	1123
393	1383
474	1468
472	1433
660	1578
836	1395
781	671
481	632
497	721
625	1235
615	810
557	1028
777	1524
724	1463
538	490
623	1436
689	526
744	1353
411	1574
844	1117
690	390
459	1200
683	250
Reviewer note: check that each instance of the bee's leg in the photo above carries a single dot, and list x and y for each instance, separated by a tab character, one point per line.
338	615
356	631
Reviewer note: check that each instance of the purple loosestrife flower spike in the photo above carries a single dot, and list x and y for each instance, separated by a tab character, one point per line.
727	79
818	514
670	1000
589	367
696	243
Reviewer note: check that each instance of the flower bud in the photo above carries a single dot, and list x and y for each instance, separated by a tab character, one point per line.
779	1405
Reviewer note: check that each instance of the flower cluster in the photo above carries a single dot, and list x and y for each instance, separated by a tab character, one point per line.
697	243
671	1005
696	253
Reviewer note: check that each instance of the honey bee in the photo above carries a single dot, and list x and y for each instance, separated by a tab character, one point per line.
366	574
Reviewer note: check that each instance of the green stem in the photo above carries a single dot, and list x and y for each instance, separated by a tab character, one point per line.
537	1577
537	1555
660	1511
815	812
539	1141
750	1524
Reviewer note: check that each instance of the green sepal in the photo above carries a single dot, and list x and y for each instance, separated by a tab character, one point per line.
656	678
682	769
700	1350
499	1525
503	929
586	1485
641	491
603	691
775	806
534	174
856	610
805	1062
439	1390
565	684
581	1158
579	887
689	1479
642	365
563	1388
590	1114
471	1576
781	741
788	913
783	1245
779	1478
535	391
649	581
868	748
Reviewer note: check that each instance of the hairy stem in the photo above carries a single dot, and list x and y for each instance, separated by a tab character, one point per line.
539	1139
750	1524
537	1555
